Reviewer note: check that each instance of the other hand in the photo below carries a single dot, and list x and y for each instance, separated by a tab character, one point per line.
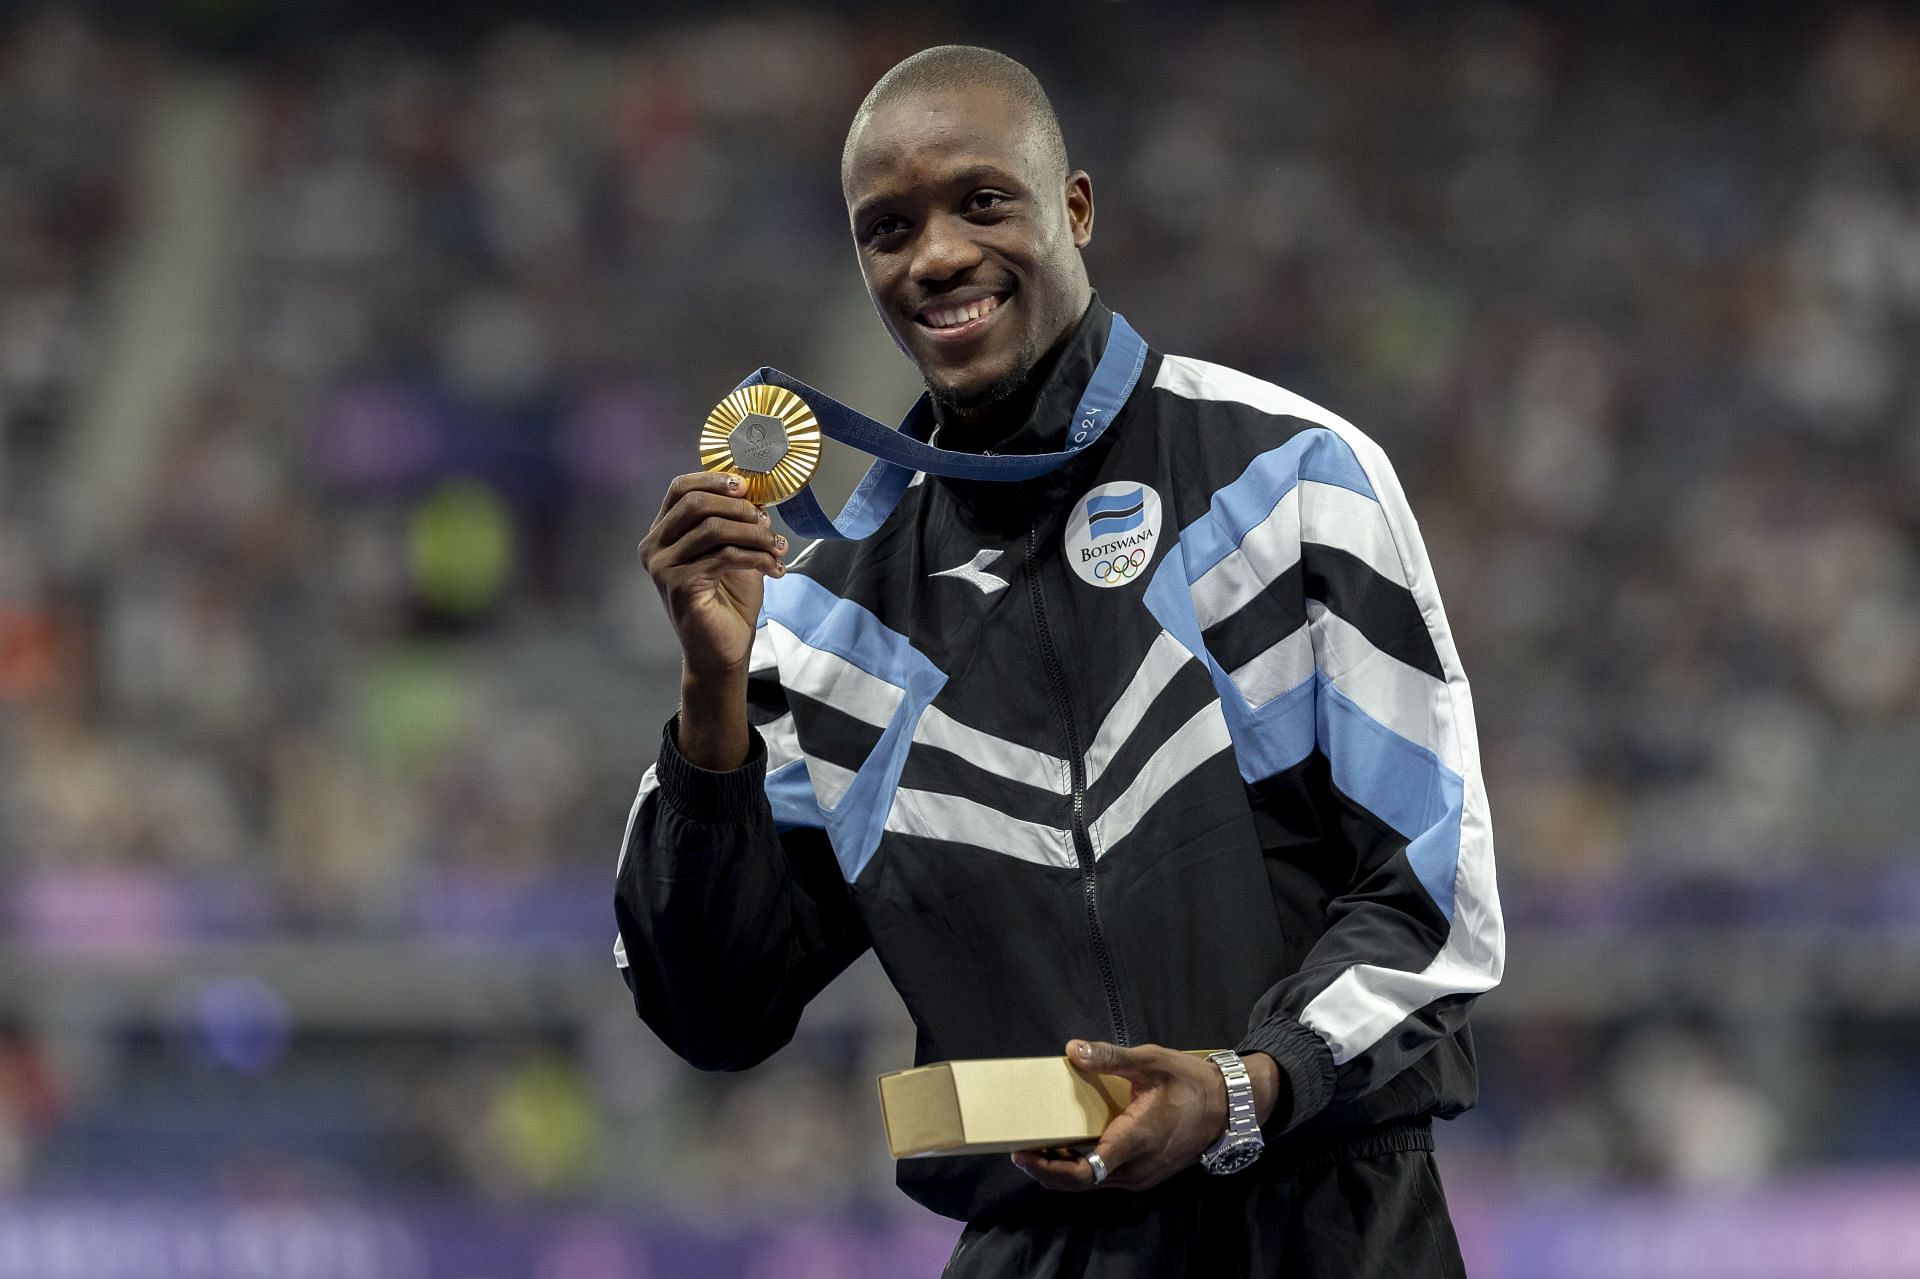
1179	1108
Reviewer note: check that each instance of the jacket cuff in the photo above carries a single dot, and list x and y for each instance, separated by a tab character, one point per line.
702	795
1306	1062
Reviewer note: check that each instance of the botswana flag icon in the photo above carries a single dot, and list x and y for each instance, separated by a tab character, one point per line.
1115	513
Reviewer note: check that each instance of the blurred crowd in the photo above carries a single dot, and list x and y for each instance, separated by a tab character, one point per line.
1635	312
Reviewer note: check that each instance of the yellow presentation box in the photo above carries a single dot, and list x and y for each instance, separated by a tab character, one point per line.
996	1105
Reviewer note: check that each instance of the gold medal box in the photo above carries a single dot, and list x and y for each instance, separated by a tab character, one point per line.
996	1105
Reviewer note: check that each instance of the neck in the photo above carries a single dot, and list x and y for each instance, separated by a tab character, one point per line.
975	428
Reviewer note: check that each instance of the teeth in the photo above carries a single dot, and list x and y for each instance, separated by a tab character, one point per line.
963	314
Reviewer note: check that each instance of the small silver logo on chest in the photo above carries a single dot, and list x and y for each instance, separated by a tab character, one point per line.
974	573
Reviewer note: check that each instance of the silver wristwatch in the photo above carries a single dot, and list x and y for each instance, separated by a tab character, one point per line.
1241	1143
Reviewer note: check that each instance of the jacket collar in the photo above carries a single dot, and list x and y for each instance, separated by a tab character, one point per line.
1063	376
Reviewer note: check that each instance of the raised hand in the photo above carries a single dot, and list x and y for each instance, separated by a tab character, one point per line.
709	553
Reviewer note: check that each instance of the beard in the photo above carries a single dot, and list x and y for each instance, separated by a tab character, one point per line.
991	400
981	400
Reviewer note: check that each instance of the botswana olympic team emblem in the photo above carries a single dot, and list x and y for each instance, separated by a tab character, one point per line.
1112	532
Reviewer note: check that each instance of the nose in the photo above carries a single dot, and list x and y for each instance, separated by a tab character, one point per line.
944	252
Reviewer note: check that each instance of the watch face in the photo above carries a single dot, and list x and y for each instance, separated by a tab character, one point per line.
1235	1157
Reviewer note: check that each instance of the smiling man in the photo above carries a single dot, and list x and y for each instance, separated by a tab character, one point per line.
980	315
1168	749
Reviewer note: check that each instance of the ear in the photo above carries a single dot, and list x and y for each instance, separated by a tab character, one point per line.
1080	207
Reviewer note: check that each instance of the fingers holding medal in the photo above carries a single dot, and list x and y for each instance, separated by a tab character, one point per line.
709	552
765	435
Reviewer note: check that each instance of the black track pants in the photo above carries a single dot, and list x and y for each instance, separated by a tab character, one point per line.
1374	1217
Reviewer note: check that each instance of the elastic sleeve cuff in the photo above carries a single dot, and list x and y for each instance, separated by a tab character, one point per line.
1306	1062
703	795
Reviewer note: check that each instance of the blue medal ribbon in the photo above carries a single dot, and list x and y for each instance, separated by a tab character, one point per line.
904	451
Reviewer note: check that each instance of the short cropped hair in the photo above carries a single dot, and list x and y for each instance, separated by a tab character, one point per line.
966	66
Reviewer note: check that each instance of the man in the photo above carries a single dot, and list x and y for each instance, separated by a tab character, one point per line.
1166	750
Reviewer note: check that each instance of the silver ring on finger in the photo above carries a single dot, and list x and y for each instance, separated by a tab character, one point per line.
1099	1166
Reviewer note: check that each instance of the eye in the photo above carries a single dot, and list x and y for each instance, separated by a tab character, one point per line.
981	201
882	227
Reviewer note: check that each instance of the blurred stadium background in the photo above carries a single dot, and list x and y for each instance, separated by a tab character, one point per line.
345	351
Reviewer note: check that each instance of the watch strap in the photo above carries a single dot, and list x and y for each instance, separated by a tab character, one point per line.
1241	1141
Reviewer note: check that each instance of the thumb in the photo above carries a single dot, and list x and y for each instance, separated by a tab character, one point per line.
1096	1057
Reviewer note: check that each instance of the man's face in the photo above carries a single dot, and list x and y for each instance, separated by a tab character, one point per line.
969	239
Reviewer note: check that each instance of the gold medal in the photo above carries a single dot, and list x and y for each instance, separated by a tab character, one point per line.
768	437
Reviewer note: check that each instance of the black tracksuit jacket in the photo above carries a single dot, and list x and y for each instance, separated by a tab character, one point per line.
1168	746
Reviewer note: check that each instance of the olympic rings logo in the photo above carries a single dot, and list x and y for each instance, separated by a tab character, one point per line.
1120	567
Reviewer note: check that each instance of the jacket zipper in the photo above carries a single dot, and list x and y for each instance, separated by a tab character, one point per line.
1082	842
